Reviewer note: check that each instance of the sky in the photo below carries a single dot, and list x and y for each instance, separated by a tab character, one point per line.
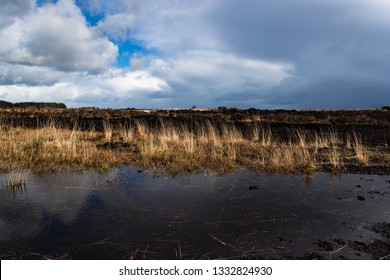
279	54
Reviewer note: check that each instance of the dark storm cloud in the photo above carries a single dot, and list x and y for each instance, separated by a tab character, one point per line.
284	29
338	50
339	94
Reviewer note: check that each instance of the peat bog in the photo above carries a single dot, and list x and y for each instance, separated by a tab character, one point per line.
218	183
178	141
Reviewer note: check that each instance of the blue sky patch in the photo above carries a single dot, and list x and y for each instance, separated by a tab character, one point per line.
92	19
127	49
40	3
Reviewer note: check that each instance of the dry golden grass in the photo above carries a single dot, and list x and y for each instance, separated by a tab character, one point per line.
174	148
334	158
108	130
17	178
361	152
50	148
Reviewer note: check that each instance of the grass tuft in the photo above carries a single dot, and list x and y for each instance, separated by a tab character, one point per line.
360	151
17	178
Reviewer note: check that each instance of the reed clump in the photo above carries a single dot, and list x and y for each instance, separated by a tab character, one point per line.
176	148
361	152
17	178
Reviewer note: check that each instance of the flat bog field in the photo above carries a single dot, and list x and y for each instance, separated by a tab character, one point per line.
196	139
194	184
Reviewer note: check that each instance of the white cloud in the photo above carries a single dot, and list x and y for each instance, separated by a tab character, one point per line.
13	74
124	82
110	89
116	6
117	26
166	25
216	71
57	36
174	26
210	78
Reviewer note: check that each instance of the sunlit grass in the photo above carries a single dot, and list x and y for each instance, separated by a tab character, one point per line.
17	178
176	148
361	152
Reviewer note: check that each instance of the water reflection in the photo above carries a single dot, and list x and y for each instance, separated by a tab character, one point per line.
129	214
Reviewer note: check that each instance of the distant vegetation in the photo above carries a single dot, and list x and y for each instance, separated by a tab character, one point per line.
5	104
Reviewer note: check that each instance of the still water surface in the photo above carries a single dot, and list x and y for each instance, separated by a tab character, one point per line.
127	213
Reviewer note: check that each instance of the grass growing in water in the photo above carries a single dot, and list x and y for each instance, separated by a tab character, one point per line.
17	178
176	148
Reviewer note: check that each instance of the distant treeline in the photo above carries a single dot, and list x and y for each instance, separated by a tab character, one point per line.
5	104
